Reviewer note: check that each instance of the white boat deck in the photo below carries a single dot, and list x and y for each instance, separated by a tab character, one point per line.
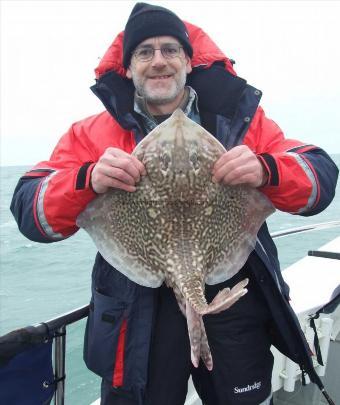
312	280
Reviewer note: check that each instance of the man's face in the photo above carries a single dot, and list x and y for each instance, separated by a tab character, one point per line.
160	80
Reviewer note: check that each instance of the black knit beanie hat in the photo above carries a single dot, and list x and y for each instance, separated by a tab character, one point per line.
148	21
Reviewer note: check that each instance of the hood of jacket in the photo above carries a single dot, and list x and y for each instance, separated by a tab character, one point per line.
116	91
206	52
213	78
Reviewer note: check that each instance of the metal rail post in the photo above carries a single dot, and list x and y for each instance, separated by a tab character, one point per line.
59	364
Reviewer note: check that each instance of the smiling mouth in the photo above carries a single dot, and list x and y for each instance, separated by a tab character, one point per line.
160	77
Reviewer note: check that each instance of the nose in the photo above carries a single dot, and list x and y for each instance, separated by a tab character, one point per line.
158	58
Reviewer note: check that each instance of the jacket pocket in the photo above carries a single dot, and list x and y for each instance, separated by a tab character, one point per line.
105	335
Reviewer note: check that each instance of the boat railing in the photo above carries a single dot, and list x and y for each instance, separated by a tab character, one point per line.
56	327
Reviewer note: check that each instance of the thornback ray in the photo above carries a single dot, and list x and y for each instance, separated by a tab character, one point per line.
179	227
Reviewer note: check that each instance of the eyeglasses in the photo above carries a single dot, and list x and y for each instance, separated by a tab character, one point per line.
146	53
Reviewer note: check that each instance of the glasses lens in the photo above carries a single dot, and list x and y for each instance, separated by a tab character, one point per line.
170	50
144	54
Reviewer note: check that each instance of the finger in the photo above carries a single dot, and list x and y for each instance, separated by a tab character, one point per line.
105	181
119	158
126	165
248	179
221	161
228	156
118	153
234	169
119	174
231	170
115	183
139	165
133	166
234	176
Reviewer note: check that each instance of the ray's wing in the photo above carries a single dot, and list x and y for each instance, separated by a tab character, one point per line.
116	221
237	214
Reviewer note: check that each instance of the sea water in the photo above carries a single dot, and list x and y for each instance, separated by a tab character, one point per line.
40	281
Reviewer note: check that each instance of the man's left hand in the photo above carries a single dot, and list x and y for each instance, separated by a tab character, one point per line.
239	165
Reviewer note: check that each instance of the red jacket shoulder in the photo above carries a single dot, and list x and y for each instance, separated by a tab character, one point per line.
91	136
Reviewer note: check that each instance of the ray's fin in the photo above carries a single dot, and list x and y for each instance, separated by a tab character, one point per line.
225	298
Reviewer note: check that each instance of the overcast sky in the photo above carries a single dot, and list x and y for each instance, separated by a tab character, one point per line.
49	49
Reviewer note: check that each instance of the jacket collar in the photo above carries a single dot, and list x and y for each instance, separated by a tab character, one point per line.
219	92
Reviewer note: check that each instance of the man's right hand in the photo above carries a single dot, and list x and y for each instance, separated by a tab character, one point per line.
116	168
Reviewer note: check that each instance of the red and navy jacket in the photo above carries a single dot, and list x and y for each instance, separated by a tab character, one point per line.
48	199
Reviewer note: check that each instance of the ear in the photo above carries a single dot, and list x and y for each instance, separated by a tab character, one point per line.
128	73
188	65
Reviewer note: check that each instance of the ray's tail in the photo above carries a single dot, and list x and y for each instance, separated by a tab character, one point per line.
196	306
198	338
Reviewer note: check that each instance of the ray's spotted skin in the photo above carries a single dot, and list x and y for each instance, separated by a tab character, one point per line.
179	227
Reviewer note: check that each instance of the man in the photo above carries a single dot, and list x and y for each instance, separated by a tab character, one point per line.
136	337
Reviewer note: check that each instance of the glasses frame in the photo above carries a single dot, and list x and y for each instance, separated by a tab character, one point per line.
134	53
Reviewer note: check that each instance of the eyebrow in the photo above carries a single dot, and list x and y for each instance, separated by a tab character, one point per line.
151	46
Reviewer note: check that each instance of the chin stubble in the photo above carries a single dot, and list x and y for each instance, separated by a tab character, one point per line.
157	99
